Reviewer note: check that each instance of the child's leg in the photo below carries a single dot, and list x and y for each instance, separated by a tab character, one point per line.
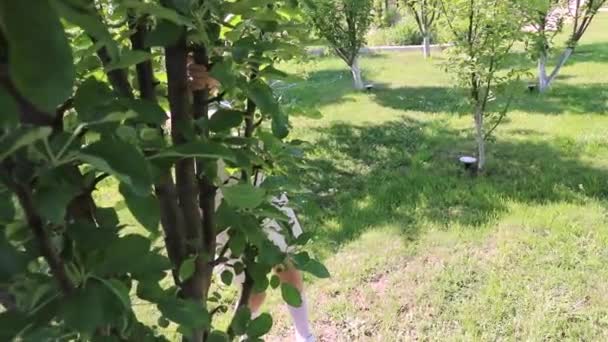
255	303
290	275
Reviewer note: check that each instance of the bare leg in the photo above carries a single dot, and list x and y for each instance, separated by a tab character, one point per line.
255	303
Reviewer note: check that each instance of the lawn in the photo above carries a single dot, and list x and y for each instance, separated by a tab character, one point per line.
420	250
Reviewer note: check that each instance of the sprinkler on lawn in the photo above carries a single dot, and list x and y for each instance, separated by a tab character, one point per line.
469	163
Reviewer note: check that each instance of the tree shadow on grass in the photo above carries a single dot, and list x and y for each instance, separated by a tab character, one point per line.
405	173
561	98
322	87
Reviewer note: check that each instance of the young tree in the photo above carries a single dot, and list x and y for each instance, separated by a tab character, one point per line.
545	18
483	32
344	24
84	88
425	12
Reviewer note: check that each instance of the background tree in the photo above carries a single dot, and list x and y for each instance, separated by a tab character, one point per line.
84	100
344	24
425	12
483	32
546	19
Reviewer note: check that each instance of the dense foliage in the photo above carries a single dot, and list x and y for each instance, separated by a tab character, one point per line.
85	86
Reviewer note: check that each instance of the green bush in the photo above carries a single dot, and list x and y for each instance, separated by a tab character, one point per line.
404	33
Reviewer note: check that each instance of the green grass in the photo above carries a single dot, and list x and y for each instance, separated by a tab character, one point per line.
419	249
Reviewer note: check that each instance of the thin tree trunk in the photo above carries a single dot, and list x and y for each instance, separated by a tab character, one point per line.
562	60
542	72
356	71
426	44
479	137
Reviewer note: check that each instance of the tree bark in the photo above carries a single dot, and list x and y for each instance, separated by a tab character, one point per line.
426	45
480	138
562	60
542	72
356	72
185	172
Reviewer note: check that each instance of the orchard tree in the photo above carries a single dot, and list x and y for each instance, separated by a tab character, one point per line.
84	88
541	15
483	32
344	24
425	12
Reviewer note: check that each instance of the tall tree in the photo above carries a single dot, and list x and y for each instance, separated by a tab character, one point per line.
425	12
483	32
545	18
344	24
84	88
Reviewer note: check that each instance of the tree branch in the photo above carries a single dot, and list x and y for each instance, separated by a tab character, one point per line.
34	220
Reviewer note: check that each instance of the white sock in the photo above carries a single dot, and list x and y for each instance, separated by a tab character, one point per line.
299	316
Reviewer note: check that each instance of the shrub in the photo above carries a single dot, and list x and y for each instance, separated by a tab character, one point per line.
404	33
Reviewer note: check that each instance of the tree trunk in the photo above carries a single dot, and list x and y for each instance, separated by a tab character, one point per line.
356	71
562	60
479	137
426	45
542	72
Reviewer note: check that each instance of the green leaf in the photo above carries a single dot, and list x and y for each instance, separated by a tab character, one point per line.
145	209
241	320
280	125
291	295
259	274
271	72
10	110
222	71
147	112
92	100
41	63
184	312
163	322
164	34
12	261
119	256
186	270
12	322
52	198
159	12
300	259
237	242
261	94
316	268
7	208
260	326
197	149
119	290
218	336
127	59
76	316
21	137
244	196
227	277
121	160
275	281
270	254
85	16
225	119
